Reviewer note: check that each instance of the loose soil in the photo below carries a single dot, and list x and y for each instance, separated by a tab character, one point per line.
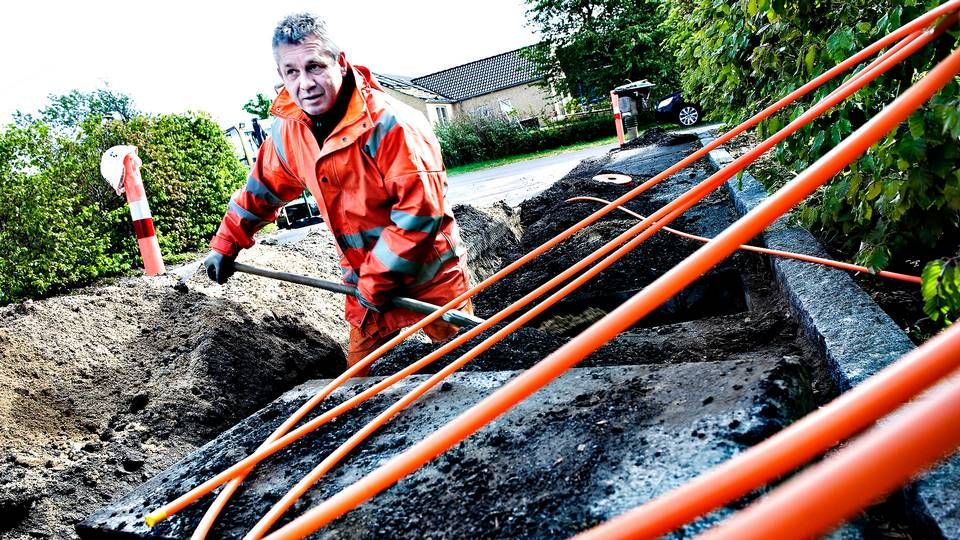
102	389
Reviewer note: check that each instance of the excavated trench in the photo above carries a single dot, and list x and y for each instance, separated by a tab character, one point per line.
718	368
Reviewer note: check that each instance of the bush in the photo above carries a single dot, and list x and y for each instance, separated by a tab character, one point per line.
899	201
470	138
62	225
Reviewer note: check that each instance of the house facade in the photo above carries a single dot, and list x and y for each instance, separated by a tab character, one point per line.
500	85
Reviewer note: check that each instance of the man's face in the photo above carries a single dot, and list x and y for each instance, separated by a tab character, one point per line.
310	74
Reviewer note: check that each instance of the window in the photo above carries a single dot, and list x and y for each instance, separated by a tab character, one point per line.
442	114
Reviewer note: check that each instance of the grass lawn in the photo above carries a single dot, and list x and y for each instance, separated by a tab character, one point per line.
476	166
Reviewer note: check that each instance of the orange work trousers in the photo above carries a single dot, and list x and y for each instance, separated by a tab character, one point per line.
362	345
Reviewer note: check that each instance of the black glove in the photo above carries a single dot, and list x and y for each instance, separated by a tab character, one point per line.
219	267
366	303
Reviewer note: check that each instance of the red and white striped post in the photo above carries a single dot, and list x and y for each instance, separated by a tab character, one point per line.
121	167
617	117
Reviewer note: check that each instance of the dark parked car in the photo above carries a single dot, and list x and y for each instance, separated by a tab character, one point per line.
674	108
635	99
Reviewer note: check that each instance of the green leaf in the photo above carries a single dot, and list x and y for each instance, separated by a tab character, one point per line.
916	125
873	191
818	142
839	43
876	258
810	58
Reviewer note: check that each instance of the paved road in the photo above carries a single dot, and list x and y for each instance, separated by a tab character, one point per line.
516	182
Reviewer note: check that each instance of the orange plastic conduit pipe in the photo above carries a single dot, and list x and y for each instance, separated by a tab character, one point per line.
328	463
623	317
184	500
865	471
268	450
334	457
767	251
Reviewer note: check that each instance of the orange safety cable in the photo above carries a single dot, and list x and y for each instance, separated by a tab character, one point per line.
888	456
768	251
677	207
253	459
627	314
331	460
184	500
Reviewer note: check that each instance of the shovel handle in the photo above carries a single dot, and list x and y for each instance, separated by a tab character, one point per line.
454	317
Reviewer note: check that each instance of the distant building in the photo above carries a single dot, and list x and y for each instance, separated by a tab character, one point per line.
503	84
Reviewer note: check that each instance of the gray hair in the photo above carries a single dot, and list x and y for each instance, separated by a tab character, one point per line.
295	29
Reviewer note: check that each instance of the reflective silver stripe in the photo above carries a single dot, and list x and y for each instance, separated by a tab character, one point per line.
430	269
410	222
260	191
359	240
394	262
245	214
140	210
278	141
385	123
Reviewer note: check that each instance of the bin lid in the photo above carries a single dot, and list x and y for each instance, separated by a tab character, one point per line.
111	165
636	85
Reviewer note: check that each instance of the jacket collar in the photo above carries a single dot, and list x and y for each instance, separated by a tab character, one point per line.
284	106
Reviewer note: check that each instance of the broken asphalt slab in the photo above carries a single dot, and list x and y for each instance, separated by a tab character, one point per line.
591	445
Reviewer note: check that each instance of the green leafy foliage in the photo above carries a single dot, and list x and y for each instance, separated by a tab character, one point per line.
590	47
471	138
61	224
899	201
941	289
259	106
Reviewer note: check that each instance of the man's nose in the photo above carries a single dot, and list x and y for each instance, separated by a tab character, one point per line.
306	81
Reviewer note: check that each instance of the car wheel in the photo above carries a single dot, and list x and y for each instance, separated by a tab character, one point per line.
688	115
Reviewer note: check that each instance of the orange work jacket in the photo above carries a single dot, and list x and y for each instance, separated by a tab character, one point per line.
380	184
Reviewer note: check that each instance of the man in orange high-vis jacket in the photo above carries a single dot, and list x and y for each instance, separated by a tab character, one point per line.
374	166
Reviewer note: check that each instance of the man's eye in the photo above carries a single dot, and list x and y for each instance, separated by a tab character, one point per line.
291	72
315	68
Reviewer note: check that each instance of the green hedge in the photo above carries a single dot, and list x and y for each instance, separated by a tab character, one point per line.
61	224
899	202
470	138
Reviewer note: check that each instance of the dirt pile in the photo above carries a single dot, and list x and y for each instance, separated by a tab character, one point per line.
104	388
550	213
659	137
493	233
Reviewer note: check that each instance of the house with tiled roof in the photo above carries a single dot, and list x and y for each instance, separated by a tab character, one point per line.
503	84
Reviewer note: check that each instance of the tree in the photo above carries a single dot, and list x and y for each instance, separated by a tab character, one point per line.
259	106
590	47
71	109
901	200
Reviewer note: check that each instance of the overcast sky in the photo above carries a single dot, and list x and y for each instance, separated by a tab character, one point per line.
176	55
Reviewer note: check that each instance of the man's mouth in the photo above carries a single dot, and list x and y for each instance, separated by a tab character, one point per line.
313	98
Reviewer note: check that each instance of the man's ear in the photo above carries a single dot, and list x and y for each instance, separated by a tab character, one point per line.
342	62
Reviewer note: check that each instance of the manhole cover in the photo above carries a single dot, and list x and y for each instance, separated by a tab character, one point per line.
613	178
